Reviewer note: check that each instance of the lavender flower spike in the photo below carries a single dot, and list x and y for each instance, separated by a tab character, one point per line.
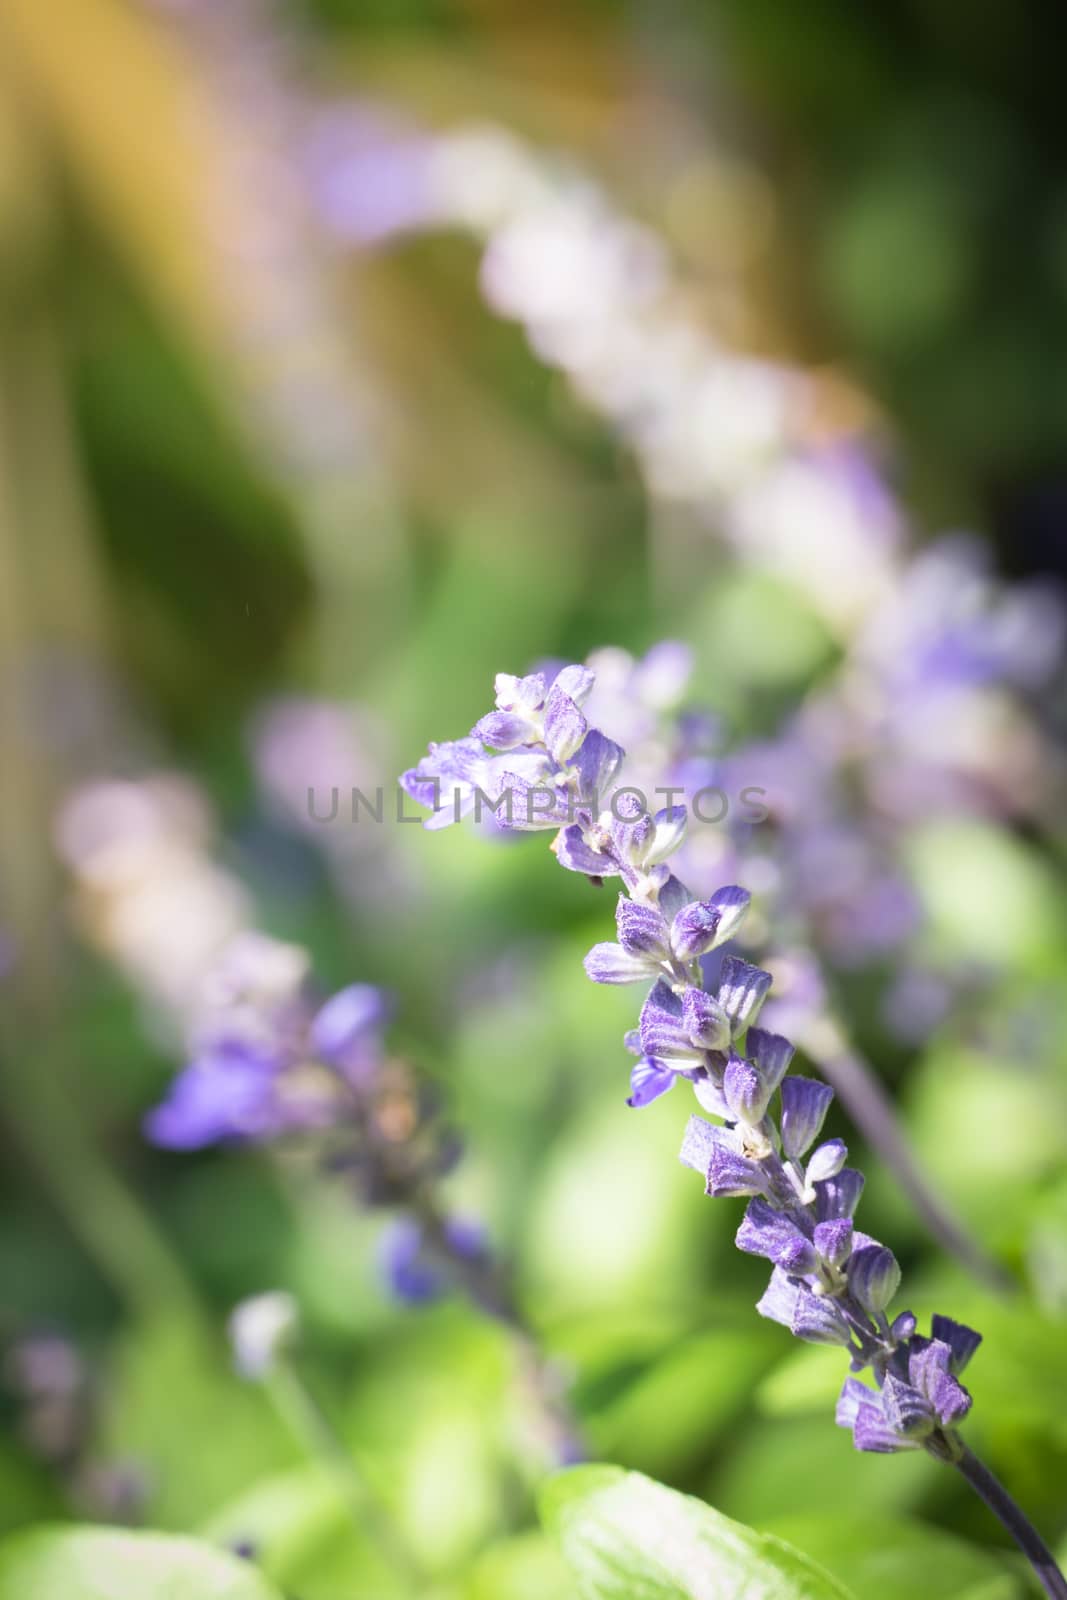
830	1283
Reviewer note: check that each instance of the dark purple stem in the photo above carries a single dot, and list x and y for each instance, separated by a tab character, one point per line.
1018	1525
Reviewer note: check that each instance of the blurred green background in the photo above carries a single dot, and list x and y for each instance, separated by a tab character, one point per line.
254	449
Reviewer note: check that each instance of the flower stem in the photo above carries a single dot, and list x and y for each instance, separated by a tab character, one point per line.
104	1215
309	1425
1022	1530
489	1288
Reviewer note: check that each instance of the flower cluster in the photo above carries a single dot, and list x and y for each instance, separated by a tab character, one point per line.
272	1061
830	1283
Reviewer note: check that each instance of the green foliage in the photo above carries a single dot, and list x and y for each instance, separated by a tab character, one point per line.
63	1563
305	1538
897	1558
628	1538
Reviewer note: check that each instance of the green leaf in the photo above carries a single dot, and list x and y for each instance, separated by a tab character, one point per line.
673	1413
897	1558
82	1563
305	1537
170	1389
628	1538
526	1567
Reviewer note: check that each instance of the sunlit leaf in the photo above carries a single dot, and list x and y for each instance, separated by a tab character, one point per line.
628	1538
897	1558
63	1563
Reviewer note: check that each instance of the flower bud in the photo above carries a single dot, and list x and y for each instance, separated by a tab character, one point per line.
565	727
705	1020
827	1161
833	1240
694	930
873	1277
670	828
805	1102
742	991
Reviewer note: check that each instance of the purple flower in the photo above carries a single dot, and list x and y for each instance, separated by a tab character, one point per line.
418	1269
805	1103
768	1232
742	991
643	930
705	1021
830	1283
694	930
347	1030
648	1080
450	778
409	1272
873	1277
228	1095
838	1196
663	1029
962	1341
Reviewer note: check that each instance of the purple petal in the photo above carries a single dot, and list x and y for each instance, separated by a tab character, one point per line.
565	727
404	1264
520	694
929	1371
529	807
704	1020
779	1299
731	903
874	1277
903	1327
710	1096
766	1232
853	1395
770	1054
838	1197
873	1433
573	853
648	1081
833	1240
610	963
908	1413
827	1161
742	991
805	1102
576	681
642	930
425	791
663	1032
504	730
744	1091
596	764
961	1340
697	1145
730	1173
632	829
817	1320
346	1019
226	1096
950	1400
670	826
673	895
693	930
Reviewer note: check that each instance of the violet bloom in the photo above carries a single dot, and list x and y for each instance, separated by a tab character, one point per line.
268	1058
419	1268
830	1283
